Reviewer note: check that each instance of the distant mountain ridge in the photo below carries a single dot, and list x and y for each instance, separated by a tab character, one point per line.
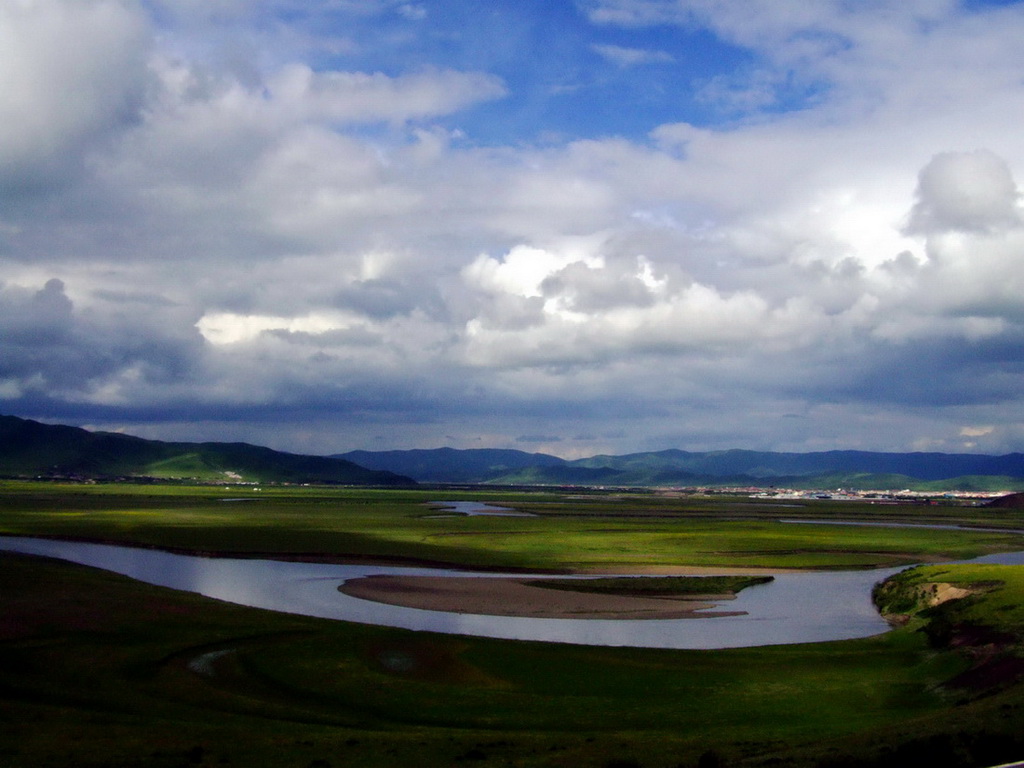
828	469
449	465
32	449
767	464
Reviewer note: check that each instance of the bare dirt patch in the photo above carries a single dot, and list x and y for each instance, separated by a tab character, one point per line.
941	592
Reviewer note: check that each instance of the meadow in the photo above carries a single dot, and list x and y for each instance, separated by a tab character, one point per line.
98	670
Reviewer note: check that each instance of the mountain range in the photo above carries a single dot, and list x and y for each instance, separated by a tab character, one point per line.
829	469
32	449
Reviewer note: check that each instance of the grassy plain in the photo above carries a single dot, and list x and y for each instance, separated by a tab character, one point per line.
97	670
582	532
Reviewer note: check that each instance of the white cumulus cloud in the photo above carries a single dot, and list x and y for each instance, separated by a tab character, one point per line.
71	72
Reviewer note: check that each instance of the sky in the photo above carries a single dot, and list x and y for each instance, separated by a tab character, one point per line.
566	226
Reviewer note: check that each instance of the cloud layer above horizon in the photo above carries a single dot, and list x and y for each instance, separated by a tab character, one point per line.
585	227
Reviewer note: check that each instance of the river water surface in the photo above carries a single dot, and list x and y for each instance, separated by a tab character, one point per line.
794	608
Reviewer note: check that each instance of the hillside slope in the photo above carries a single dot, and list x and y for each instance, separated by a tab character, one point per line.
31	449
449	465
832	469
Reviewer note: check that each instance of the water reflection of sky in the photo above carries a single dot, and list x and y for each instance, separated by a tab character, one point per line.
477	509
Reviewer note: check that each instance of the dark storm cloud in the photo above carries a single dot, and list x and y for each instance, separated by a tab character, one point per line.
47	347
939	373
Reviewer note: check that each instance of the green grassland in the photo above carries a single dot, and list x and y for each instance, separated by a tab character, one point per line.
97	670
656	586
583	532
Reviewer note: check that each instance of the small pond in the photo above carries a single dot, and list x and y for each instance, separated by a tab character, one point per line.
474	509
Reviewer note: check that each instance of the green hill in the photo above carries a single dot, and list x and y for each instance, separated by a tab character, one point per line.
31	449
449	465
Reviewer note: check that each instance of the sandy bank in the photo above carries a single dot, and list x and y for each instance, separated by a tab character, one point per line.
495	596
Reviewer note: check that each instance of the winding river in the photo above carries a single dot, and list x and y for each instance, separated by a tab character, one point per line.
794	608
